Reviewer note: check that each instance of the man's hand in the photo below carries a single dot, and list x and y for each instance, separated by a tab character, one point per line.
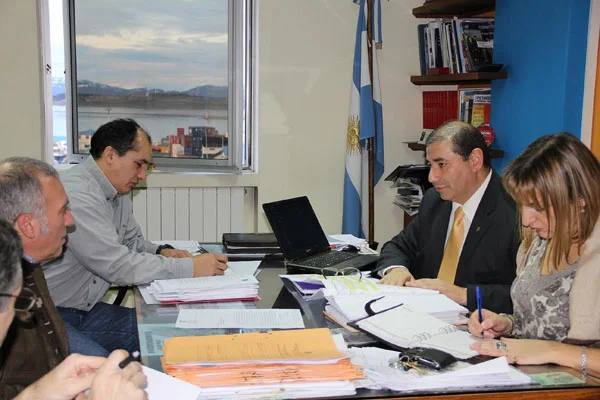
209	264
174	253
456	293
112	382
69	379
397	276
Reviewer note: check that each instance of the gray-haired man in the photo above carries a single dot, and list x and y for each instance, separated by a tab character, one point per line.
102	377
33	201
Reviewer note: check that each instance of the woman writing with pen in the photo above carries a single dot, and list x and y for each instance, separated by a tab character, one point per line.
556	295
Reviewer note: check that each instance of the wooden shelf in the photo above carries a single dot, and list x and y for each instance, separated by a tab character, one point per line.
416	146
458	79
451	8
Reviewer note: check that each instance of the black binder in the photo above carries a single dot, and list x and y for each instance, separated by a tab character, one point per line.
260	243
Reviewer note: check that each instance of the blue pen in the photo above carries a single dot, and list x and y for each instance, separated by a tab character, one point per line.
478	296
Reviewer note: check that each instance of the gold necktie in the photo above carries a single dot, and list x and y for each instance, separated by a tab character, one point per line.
452	251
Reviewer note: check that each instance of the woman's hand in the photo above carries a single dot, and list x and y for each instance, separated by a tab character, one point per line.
519	351
493	325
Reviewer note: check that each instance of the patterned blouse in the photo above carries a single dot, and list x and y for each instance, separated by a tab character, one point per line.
541	302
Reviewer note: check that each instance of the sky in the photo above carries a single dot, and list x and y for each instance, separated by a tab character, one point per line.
170	45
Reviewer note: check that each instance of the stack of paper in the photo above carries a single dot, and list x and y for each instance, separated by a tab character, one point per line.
291	364
229	287
380	375
333	285
351	307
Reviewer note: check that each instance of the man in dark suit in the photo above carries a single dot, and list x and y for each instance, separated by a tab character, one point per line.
465	234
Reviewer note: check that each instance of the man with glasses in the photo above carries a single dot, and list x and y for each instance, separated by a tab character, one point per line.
33	200
76	374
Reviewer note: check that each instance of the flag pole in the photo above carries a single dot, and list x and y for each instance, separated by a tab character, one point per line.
371	237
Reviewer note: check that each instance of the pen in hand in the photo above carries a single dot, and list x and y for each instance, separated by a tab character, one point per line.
478	296
132	357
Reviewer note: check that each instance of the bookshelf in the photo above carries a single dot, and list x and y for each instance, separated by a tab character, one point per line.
451	8
416	146
458	79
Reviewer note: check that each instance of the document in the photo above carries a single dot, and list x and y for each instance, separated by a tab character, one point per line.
351	307
304	345
152	336
379	375
243	318
228	287
350	285
274	365
407	329
162	386
243	267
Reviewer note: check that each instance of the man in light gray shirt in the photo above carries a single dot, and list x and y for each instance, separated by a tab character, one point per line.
107	246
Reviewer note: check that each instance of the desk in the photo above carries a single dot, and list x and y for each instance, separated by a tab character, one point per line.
153	318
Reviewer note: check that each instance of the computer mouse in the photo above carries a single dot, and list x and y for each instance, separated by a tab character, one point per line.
351	248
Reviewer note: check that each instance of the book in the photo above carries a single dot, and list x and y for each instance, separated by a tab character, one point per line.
263	243
423	56
481	109
478	42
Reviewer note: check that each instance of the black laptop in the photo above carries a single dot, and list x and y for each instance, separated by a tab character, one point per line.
303	242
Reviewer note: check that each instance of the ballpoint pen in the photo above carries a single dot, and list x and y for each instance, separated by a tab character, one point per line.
478	296
131	357
201	250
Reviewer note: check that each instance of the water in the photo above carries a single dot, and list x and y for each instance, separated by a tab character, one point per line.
158	123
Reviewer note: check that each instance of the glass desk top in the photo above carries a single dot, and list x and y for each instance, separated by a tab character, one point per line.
157	322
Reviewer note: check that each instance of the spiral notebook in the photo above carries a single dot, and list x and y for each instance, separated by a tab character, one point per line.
402	328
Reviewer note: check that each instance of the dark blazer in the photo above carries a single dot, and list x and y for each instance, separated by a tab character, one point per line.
35	345
488	257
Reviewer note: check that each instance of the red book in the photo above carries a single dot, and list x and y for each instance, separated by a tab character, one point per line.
439	107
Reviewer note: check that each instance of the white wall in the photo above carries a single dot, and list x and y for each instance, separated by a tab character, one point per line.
305	65
20	79
590	73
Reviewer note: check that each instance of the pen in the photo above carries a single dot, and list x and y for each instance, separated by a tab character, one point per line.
132	357
201	249
478	296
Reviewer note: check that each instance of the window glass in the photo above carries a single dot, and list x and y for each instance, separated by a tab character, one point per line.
180	68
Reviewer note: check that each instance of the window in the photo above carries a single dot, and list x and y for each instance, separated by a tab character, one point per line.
182	69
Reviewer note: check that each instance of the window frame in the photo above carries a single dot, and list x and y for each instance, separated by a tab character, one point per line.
241	95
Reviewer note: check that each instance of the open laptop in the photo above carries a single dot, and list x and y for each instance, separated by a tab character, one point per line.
303	242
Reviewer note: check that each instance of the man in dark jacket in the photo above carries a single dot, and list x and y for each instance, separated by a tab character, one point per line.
101	378
465	235
33	201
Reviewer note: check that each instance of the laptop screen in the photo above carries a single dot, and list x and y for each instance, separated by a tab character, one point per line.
296	227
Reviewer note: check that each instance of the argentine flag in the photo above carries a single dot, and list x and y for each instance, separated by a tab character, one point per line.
365	121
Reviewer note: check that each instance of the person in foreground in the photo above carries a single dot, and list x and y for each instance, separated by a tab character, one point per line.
465	234
556	296
101	377
107	246
33	200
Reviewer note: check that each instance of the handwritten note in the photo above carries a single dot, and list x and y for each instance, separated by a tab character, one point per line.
268	319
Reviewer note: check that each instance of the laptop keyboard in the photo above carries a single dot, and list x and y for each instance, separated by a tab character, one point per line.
327	259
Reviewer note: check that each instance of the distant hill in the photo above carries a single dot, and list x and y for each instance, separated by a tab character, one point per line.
85	87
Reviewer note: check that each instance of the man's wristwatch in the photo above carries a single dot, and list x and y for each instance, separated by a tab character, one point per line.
162	247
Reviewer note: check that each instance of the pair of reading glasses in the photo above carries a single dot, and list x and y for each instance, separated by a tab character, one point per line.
349	272
25	300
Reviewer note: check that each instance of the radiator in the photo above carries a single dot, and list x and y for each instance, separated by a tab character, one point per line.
198	213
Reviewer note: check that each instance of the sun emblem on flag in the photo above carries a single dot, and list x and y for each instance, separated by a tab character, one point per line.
352	137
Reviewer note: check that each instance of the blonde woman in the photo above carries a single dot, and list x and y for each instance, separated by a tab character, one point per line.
556	295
